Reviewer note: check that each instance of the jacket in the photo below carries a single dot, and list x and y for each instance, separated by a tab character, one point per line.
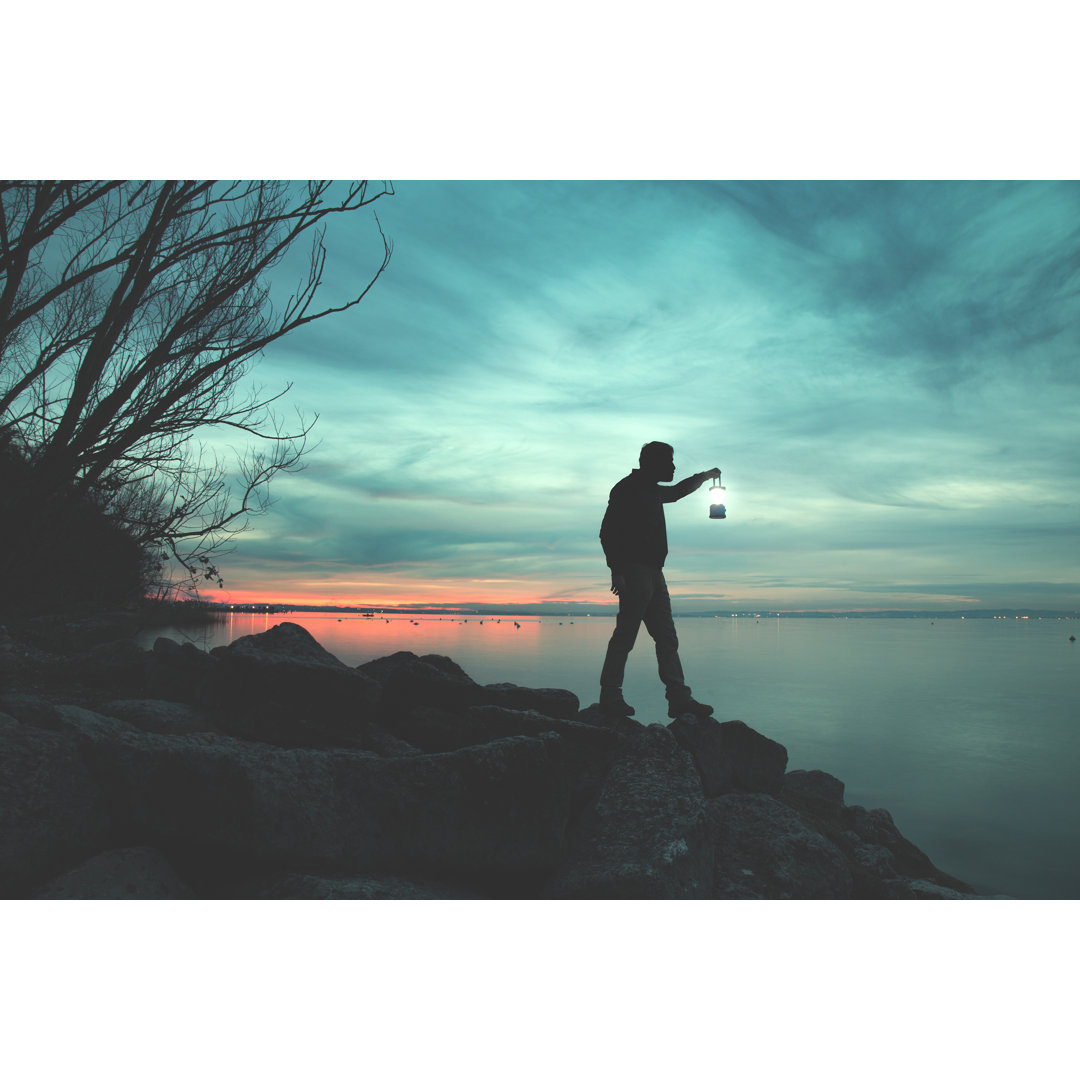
634	529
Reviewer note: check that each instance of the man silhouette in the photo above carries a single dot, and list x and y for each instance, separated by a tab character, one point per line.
634	538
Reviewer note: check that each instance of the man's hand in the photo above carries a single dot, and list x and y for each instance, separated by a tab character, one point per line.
713	474
618	582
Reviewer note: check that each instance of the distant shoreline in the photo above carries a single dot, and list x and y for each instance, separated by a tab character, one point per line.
609	611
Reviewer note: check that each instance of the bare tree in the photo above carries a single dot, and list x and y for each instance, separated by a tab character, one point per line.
130	313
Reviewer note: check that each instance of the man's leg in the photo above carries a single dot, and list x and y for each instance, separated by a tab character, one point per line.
634	600
661	626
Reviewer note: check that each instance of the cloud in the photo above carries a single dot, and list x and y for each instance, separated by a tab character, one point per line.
885	373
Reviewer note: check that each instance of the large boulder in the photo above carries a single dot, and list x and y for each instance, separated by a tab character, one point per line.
283	687
159	717
587	750
181	672
645	836
560	704
437	730
113	664
32	709
765	851
495	815
432	730
815	791
409	682
731	756
885	862
380	741
137	873
52	811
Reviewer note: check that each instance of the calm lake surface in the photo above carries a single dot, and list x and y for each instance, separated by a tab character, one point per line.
966	731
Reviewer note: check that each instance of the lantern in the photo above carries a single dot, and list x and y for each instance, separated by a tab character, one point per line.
716	499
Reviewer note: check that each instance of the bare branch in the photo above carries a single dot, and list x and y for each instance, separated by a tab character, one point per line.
129	314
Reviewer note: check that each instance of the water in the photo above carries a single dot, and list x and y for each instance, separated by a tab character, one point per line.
967	731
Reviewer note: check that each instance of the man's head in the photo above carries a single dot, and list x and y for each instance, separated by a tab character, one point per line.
657	461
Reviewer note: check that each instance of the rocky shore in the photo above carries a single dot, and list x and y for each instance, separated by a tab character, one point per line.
269	769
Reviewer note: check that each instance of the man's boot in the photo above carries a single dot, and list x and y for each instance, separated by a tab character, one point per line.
682	705
612	704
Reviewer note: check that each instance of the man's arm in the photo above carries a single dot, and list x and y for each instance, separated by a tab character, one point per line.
687	486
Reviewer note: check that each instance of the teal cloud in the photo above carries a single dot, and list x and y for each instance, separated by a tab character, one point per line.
884	369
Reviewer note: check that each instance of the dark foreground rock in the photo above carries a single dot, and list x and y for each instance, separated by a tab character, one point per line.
764	850
644	834
53	811
731	756
271	770
138	873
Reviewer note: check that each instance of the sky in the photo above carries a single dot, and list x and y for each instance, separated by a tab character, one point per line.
886	373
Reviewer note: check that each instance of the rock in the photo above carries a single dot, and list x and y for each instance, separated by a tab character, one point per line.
137	873
113	664
645	836
445	665
494	815
184	673
560	704
311	887
731	756
884	865
814	790
381	742
286	641
31	709
433	731
765	851
160	717
594	716
401	779
437	730
588	751
887	854
283	687
409	682
52	812
879	877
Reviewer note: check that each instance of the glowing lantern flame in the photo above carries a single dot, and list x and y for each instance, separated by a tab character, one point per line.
717	493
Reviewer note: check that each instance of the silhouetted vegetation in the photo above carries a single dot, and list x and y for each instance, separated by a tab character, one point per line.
59	548
130	314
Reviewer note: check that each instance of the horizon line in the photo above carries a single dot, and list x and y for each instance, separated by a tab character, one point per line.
587	609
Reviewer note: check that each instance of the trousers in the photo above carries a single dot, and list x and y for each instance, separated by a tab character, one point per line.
644	599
